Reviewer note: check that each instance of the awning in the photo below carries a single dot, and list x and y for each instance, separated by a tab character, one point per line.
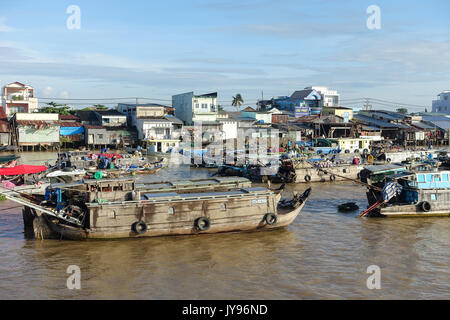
70	131
22	169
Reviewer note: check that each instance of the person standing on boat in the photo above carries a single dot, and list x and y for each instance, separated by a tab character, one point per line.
68	163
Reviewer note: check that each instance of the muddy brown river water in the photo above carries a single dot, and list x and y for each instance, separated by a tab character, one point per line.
323	254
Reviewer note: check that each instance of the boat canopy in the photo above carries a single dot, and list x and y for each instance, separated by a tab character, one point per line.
4	159
377	169
21	169
433	180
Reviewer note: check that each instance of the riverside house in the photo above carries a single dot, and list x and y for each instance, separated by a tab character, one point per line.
35	131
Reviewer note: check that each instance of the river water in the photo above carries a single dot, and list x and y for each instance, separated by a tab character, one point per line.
323	254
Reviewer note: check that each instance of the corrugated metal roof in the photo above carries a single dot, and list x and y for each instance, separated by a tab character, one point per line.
369	128
37	123
444	125
435	118
379	123
423	125
70	124
384	167
68	117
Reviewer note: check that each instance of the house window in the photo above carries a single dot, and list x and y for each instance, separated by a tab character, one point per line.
100	136
196	106
204	105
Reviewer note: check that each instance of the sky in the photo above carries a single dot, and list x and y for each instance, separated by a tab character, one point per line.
155	49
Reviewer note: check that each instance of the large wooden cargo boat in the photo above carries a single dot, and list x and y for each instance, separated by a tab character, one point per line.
118	208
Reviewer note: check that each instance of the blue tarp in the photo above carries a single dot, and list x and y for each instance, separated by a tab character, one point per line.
69	131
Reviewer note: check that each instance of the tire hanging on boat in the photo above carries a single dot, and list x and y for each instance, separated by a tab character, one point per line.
270	218
425	206
139	227
332	177
307	178
202	223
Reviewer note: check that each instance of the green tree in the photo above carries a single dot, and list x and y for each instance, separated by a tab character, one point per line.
53	107
100	107
219	108
402	110
237	101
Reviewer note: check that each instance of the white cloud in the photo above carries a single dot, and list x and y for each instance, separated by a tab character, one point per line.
48	90
64	94
3	26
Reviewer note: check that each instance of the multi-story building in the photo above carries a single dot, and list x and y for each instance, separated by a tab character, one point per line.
147	110
18	97
330	98
442	104
308	101
191	108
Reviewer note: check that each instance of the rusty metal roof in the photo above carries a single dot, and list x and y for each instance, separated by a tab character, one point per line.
70	124
37	123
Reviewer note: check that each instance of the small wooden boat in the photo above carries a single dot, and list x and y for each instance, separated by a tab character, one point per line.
394	191
116	208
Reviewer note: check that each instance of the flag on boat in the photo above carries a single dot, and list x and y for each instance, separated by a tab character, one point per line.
390	190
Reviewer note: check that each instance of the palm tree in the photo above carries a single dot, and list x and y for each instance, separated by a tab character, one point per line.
237	101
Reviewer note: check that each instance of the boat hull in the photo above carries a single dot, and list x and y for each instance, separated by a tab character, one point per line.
219	224
333	174
412	211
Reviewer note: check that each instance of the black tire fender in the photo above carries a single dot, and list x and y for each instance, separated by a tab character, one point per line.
139	227
270	218
202	224
425	206
307	178
332	177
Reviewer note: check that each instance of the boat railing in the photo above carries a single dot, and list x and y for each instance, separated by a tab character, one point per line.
15	197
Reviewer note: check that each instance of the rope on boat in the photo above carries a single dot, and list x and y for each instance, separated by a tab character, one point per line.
351	179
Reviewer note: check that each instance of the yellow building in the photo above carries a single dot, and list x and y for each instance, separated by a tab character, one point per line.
346	113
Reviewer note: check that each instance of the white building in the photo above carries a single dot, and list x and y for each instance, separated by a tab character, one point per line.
111	118
260	116
442	105
330	98
18	97
190	108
